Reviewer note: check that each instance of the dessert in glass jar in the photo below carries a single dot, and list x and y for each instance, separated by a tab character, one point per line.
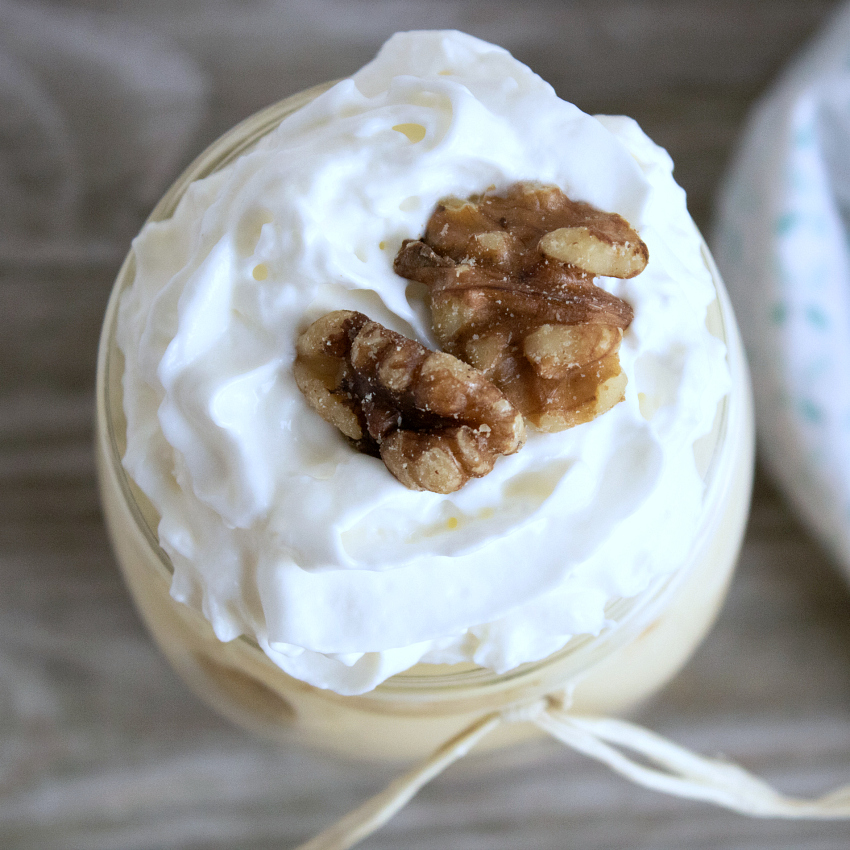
321	543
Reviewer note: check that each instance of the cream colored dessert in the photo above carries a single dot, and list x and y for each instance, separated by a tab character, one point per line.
304	574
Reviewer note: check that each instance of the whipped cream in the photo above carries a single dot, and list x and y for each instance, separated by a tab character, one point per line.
276	527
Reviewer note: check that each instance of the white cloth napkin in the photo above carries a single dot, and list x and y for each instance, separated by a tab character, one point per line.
782	243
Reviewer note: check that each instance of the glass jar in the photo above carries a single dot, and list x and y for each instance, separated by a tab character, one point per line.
411	714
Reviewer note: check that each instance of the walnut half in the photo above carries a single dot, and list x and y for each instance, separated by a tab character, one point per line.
435	421
511	292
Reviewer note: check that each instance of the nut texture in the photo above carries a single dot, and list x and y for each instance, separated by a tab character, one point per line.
435	421
511	292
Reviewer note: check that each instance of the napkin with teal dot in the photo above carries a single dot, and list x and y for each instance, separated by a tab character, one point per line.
782	243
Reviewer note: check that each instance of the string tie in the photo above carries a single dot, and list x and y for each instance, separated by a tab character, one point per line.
664	766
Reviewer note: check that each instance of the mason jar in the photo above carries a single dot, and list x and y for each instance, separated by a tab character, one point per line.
408	716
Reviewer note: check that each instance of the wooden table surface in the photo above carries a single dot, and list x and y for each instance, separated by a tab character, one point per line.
101	746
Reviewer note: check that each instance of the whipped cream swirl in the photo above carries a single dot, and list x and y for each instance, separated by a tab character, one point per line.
276	527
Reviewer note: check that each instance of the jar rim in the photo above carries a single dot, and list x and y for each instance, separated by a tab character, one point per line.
628	615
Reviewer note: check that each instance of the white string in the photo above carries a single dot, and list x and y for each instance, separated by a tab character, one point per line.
374	813
680	772
684	773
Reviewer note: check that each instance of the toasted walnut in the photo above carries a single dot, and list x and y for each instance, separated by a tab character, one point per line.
511	292
435	421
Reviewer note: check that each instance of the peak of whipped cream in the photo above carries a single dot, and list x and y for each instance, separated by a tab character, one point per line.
276	527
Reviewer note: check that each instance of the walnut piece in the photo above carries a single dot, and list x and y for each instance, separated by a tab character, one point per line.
435	421
511	292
